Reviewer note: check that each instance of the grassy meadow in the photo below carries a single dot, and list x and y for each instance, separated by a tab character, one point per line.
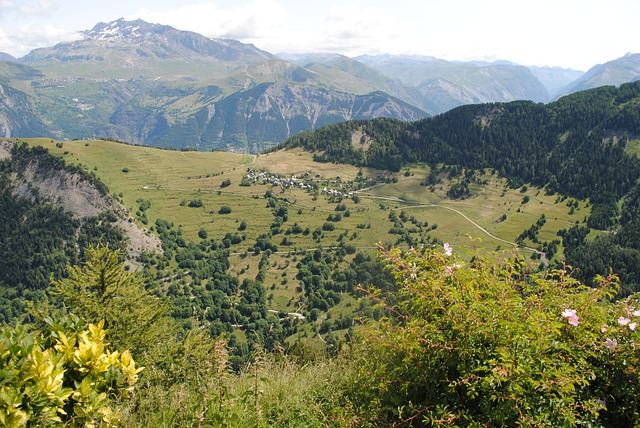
493	215
167	177
169	180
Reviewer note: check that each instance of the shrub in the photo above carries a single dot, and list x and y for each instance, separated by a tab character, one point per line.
62	376
480	344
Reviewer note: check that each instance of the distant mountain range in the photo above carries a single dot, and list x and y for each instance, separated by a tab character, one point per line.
155	85
616	72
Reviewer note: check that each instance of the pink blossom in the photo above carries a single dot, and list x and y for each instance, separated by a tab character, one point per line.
610	344
632	326
572	318
447	249
623	320
636	313
603	329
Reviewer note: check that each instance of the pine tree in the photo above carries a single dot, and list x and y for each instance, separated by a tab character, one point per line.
102	289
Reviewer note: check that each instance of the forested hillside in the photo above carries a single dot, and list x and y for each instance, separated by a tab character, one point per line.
38	236
580	146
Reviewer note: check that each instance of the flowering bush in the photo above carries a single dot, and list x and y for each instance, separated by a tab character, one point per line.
61	376
477	343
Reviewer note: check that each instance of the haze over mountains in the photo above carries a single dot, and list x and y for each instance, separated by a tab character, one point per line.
156	85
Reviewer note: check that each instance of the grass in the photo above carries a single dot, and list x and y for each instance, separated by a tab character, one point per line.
486	206
272	391
633	148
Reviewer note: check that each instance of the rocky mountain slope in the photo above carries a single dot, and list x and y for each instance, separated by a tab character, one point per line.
448	84
264	115
555	78
35	178
6	57
152	84
130	48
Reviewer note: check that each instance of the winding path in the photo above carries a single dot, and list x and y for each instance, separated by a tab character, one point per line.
489	234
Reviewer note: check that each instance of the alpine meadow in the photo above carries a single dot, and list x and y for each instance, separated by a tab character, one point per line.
198	233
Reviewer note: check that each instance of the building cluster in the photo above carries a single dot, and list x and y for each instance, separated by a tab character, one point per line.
336	193
277	180
307	183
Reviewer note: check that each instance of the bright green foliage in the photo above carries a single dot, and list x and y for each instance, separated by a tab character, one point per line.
54	377
102	289
477	344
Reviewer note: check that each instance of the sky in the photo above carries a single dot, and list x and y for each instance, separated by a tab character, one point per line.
575	34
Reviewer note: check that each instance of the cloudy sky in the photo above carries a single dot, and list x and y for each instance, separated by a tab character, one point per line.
567	33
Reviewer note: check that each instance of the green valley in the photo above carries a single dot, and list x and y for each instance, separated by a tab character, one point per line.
310	253
189	190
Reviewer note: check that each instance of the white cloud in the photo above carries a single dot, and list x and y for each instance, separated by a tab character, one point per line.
565	33
257	19
6	5
29	36
356	30
42	7
345	29
26	8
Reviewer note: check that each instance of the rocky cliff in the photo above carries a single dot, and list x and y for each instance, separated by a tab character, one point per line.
75	194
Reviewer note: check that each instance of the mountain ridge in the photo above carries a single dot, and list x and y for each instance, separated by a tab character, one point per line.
614	72
139	82
288	108
153	41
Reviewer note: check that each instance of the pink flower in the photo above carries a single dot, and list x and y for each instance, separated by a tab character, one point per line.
610	344
623	320
636	313
572	318
447	249
633	326
603	329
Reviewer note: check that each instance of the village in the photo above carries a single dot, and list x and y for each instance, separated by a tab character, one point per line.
309	182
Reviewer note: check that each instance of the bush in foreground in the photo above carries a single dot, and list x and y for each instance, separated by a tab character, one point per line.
480	344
